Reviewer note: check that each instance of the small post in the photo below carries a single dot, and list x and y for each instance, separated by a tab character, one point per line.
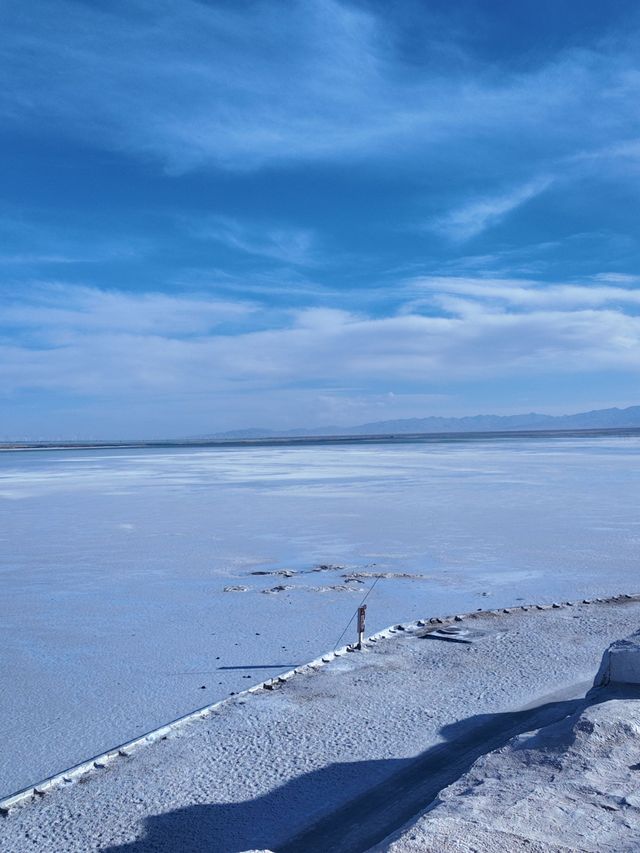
361	616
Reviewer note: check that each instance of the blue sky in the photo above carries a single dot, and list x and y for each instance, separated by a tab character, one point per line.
225	214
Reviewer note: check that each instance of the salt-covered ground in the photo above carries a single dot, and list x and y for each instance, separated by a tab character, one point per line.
570	786
336	759
113	565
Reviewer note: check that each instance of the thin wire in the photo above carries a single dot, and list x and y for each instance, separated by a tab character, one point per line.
370	590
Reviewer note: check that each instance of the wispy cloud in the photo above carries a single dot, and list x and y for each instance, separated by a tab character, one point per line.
474	217
61	312
295	246
39	239
605	291
36	260
193	84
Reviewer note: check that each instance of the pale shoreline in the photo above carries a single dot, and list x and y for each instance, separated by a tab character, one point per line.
270	763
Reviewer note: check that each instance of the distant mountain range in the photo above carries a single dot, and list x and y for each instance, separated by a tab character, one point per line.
598	419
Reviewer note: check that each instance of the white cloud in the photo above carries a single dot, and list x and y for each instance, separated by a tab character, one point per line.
526	294
145	344
56	311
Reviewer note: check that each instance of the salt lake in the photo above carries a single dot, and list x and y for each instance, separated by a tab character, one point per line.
139	584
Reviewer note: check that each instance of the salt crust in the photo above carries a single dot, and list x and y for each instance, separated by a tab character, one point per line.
240	751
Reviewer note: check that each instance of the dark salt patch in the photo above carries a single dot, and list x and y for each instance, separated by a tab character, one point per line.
328	567
285	573
275	589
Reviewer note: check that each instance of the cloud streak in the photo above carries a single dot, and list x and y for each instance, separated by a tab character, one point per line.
605	291
293	246
60	311
475	216
191	85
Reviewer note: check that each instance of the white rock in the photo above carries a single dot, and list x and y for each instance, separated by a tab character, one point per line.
620	662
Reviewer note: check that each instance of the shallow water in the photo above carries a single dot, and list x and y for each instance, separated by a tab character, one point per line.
113	564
